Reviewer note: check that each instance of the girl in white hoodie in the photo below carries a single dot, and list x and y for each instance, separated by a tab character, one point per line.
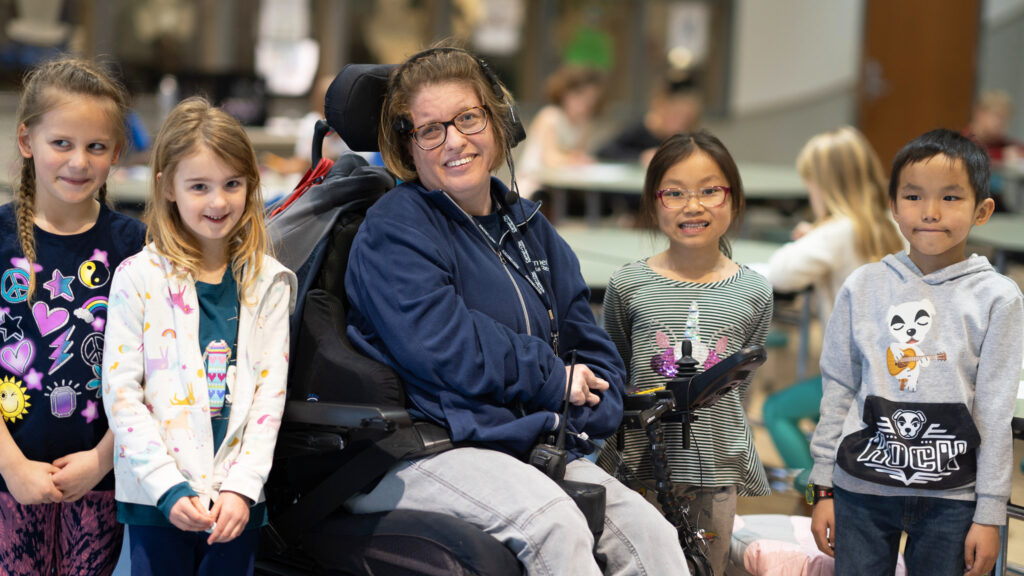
196	355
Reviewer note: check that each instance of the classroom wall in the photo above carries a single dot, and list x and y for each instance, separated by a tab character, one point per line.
794	74
999	63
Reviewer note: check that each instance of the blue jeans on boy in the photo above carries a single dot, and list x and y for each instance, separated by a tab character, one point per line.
868	529
159	550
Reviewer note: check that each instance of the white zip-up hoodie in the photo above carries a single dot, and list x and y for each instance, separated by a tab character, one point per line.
154	385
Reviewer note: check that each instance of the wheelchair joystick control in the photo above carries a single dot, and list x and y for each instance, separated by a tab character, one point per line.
686	391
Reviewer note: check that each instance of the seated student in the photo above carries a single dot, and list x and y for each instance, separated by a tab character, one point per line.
847	189
478	314
990	119
674	108
561	132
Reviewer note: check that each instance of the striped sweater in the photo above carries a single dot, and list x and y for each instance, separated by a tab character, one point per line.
647	314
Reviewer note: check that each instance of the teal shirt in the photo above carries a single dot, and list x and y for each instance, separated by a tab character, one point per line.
218	337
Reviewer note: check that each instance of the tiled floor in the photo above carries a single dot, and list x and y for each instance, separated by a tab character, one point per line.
778	373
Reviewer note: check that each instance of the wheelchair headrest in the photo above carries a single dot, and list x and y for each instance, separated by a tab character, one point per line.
353	102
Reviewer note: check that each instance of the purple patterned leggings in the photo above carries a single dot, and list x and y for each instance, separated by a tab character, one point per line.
66	538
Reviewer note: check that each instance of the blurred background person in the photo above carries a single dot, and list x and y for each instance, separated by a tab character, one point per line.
674	107
990	119
852	226
561	132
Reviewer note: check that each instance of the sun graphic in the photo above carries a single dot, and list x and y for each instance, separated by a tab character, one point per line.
13	402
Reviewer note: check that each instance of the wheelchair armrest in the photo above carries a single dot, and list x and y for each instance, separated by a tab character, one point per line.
348	416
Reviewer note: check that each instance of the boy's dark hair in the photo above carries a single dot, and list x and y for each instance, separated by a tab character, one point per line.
952	145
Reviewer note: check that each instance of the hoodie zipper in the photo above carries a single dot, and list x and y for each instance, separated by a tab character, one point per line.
490	244
522	303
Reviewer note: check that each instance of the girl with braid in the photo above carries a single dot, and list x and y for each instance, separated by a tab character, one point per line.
60	244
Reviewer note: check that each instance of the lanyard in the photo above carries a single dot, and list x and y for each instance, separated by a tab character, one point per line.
532	266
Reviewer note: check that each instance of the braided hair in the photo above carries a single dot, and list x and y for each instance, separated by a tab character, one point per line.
46	86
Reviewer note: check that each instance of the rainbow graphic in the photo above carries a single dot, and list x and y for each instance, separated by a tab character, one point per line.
169	331
95	304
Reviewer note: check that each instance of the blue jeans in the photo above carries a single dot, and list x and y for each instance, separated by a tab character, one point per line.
158	550
868	530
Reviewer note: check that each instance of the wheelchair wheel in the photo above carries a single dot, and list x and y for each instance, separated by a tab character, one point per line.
698	564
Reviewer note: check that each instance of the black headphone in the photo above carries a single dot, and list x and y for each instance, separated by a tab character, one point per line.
515	132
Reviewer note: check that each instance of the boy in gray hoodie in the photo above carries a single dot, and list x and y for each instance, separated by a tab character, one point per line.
920	369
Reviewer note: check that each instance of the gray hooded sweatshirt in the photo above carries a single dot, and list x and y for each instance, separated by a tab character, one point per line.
920	377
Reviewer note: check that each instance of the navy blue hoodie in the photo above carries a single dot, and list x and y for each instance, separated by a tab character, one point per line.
467	333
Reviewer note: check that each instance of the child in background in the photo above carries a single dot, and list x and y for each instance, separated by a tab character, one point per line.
920	370
852	227
57	510
560	134
196	355
674	108
692	291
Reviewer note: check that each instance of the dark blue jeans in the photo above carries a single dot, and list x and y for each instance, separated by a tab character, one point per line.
158	550
868	530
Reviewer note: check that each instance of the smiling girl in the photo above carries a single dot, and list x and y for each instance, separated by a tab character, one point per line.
60	242
692	291
195	365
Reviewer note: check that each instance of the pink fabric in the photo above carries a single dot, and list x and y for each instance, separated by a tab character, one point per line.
792	552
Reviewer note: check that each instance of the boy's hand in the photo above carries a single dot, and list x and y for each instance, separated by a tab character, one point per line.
823	526
583	381
981	548
79	473
188	515
230	514
31	482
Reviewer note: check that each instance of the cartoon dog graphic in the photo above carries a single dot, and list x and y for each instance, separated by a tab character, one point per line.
908	422
909	323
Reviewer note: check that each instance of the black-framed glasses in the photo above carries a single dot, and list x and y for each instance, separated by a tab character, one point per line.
708	197
469	121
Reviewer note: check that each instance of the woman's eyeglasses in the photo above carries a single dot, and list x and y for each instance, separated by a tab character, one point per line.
709	197
469	121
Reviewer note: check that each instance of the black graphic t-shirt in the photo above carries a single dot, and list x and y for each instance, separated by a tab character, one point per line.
51	348
913	445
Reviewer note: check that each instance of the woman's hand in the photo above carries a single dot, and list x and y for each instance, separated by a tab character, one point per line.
823	526
31	482
230	515
78	473
188	515
584	382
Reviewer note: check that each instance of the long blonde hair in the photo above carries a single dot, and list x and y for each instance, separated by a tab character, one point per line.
195	124
844	166
46	86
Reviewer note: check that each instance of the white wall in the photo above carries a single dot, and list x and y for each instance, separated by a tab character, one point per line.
787	51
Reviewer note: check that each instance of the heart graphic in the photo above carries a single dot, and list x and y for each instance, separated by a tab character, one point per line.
17	357
49	320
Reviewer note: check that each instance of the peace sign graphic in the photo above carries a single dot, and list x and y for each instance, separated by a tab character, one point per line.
14	285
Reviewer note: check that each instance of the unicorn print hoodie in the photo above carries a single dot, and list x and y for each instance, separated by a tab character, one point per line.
155	392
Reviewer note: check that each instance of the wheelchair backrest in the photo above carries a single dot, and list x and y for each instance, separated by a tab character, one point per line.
313	236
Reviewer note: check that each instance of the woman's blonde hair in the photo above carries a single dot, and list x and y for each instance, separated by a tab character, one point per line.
192	125
845	168
45	87
444	62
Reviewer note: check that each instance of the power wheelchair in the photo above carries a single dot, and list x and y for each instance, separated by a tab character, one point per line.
345	422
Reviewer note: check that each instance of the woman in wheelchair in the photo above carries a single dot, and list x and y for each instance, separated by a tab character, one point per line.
473	298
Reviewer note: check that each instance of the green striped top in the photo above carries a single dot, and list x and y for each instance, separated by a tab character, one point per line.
646	314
